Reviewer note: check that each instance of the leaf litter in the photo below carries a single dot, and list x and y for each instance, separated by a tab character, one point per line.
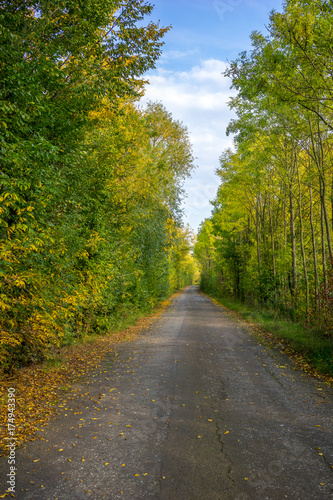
39	392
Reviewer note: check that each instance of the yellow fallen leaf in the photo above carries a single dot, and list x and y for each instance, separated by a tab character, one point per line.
226	432
209	420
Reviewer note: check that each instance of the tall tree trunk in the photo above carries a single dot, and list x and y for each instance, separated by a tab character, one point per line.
273	248
323	249
314	250
305	269
258	243
326	218
332	203
285	231
293	244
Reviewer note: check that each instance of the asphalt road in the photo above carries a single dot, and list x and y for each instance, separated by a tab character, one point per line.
195	408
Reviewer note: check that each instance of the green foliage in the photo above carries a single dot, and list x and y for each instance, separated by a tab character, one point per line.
89	185
269	240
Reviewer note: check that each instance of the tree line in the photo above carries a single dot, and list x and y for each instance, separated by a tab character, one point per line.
90	183
269	240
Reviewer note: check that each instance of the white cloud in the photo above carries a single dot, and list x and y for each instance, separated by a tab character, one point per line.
175	54
198	98
209	71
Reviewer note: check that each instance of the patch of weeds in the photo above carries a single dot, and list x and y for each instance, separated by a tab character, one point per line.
110	362
51	364
89	339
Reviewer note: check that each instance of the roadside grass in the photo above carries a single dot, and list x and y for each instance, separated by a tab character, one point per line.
308	345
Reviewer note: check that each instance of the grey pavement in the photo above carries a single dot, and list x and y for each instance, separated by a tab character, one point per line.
194	408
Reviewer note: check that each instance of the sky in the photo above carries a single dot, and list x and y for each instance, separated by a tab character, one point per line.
188	80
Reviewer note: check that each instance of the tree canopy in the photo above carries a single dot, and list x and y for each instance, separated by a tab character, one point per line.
90	185
270	235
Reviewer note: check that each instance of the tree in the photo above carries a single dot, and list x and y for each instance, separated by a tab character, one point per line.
63	67
274	207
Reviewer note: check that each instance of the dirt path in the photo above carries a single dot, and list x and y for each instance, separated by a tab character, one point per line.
193	409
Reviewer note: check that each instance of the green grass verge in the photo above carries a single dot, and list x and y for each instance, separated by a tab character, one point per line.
310	342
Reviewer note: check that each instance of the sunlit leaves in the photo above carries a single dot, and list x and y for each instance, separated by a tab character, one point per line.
85	201
272	222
